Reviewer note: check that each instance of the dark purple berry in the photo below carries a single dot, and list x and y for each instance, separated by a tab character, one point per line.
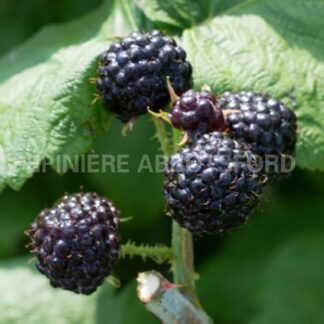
220	192
267	125
197	112
73	241
133	72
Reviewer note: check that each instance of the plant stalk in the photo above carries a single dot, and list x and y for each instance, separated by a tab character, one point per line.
182	242
157	253
183	262
182	246
167	302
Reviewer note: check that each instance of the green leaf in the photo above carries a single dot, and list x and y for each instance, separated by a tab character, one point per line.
181	14
46	108
292	290
255	49
266	46
26	297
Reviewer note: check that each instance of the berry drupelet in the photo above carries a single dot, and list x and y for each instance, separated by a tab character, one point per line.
76	243
133	72
212	184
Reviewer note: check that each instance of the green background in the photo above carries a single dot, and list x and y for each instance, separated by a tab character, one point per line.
269	271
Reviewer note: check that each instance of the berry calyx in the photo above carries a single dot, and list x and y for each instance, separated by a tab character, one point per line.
76	242
133	72
212	184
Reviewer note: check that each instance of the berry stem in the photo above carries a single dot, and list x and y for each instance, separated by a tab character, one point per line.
157	253
183	262
182	245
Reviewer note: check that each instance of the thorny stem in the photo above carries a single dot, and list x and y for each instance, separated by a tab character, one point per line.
158	253
182	244
183	262
177	302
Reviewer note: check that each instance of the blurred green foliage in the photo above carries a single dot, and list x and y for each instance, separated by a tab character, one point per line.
20	19
269	271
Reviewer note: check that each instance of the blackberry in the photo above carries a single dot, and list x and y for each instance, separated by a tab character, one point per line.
133	72
212	184
266	124
197	112
76	242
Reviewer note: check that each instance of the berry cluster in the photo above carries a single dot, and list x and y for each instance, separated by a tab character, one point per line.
133	74
211	185
205	194
76	242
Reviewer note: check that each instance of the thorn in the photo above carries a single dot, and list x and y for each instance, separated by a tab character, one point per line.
227	112
92	80
206	87
170	285
95	99
128	127
172	93
125	219
114	281
160	115
119	38
33	259
184	139
27	232
266	179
